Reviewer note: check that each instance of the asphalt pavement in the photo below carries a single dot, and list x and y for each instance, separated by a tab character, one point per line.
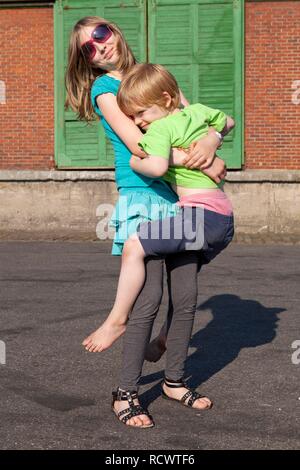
244	353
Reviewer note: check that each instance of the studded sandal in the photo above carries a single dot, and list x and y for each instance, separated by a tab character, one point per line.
132	411
188	399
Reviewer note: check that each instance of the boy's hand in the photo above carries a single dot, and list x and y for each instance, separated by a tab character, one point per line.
133	160
217	171
201	153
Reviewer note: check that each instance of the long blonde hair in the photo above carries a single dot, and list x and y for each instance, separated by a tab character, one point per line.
80	74
144	85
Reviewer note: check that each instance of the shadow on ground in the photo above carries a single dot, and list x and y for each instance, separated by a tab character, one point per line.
236	324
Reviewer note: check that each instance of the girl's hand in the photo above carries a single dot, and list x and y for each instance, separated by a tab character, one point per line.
217	171
202	152
177	156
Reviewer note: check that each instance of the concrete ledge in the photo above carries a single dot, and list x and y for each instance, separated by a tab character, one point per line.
247	176
35	205
68	235
263	176
57	175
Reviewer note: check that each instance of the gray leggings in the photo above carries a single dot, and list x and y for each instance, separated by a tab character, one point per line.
182	288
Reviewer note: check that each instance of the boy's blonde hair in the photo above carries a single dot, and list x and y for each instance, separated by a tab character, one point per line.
80	74
144	85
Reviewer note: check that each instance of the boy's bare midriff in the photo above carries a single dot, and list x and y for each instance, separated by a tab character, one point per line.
181	191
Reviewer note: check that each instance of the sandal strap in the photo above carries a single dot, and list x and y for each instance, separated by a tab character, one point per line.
187	395
133	409
131	412
192	396
172	384
124	395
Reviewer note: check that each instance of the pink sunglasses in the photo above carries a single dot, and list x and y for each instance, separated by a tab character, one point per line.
101	34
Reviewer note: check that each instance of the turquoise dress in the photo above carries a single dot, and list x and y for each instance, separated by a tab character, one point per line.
141	198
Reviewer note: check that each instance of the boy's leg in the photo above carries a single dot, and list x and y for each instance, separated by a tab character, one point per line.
182	284
138	333
160	237
131	280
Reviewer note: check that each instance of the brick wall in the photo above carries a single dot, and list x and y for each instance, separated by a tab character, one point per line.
27	68
272	45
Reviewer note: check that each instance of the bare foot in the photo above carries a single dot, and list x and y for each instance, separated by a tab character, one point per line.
155	349
136	421
203	403
103	337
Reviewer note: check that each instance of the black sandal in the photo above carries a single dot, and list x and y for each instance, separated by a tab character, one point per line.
190	395
132	411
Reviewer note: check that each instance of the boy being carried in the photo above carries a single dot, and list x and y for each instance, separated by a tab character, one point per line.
150	95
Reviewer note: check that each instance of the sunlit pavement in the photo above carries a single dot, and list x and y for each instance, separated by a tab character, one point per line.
243	354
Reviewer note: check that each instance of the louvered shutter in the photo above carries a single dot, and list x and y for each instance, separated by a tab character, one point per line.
201	43
79	145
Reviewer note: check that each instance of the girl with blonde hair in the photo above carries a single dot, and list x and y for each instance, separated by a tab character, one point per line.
98	59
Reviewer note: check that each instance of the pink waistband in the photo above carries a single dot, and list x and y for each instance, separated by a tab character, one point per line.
212	200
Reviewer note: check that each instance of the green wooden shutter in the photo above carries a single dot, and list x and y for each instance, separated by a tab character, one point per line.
78	145
201	43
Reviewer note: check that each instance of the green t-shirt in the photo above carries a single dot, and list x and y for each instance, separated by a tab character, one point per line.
180	130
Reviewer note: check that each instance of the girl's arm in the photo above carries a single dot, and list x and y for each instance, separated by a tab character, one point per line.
228	126
203	153
122	125
183	99
216	171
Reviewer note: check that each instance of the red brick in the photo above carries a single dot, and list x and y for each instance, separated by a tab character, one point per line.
272	38
26	120
272	31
